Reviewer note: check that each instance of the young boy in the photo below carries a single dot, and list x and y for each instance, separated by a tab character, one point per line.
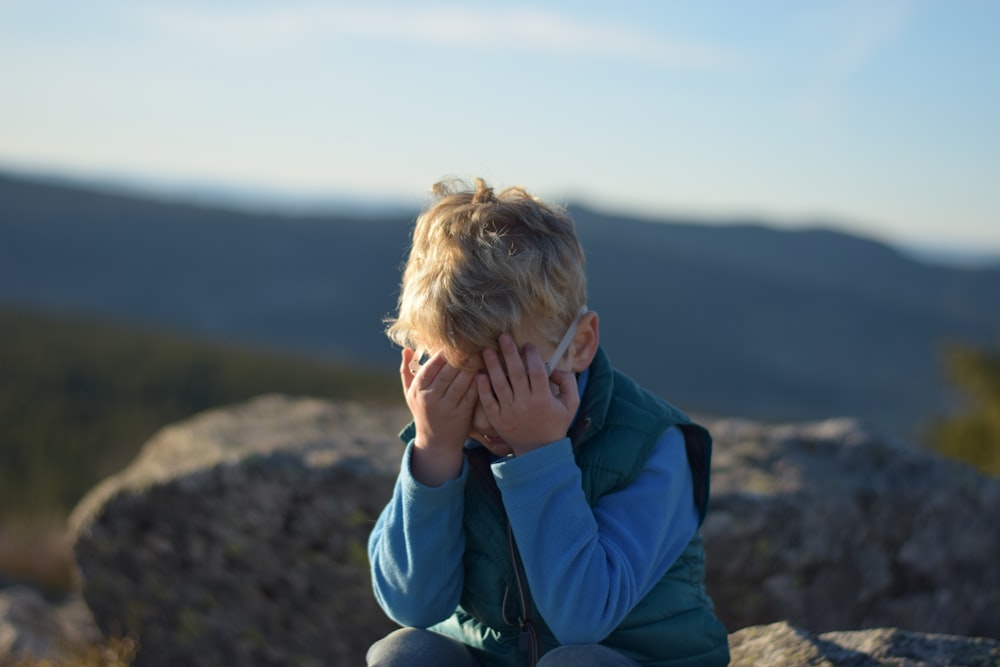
547	507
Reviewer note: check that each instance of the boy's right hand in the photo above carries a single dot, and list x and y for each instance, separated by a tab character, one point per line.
441	399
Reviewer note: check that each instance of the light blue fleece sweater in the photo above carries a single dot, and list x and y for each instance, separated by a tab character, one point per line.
586	567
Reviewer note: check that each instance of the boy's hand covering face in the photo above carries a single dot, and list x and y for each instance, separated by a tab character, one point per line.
441	399
519	402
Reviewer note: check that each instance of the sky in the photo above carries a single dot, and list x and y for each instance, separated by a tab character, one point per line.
881	117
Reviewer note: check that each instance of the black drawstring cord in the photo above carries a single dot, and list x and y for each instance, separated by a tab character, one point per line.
479	465
527	634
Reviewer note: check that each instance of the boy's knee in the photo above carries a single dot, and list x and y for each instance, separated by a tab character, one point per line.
413	647
585	655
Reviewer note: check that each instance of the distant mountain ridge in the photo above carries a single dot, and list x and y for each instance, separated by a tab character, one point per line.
740	320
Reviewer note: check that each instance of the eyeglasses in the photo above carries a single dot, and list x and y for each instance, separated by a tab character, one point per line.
421	357
418	360
566	340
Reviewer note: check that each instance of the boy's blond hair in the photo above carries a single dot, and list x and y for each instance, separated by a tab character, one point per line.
482	264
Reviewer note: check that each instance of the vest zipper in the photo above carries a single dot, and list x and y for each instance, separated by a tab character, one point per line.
527	639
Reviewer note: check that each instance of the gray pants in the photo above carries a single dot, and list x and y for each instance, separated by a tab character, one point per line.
411	647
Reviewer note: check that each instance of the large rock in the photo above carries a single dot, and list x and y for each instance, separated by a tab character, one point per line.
781	645
832	527
237	537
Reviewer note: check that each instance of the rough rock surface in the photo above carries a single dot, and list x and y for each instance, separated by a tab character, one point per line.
31	627
832	527
781	645
237	537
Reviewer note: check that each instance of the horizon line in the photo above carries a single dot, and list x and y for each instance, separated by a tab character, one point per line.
251	198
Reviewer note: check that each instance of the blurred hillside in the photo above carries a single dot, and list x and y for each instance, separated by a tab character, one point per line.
739	320
78	397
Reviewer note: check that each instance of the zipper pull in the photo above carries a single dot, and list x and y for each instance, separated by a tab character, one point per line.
523	636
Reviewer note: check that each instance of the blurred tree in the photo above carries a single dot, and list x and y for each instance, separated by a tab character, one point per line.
973	435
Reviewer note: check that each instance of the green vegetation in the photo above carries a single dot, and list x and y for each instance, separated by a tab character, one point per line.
973	436
78	398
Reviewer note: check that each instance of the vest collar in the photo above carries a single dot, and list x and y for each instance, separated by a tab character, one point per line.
596	399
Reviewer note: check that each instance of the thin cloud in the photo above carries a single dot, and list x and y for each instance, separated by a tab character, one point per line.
518	29
871	29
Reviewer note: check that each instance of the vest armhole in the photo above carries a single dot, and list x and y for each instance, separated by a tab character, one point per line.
698	445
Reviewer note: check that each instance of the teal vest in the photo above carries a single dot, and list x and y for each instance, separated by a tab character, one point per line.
674	625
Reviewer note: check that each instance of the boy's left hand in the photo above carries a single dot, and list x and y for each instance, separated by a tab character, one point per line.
520	403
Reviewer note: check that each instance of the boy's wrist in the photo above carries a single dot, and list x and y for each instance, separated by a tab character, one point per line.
438	443
530	442
543	442
521	450
532	465
433	465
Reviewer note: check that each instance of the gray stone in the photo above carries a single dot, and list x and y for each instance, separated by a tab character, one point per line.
831	526
238	537
782	645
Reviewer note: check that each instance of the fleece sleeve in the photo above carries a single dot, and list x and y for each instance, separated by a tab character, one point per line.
587	567
415	549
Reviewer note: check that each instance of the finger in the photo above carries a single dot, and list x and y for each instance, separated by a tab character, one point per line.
405	374
501	389
471	395
517	376
435	374
484	391
535	367
569	394
459	386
